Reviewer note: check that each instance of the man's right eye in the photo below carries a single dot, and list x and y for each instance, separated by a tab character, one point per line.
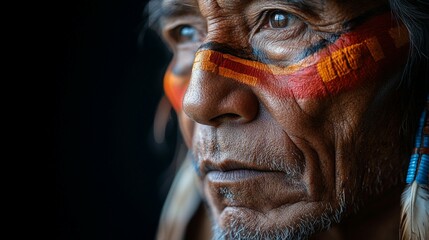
184	34
279	19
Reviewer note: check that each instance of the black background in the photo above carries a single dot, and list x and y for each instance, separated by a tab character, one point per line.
111	177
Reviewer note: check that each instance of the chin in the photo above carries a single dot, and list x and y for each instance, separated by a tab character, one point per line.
290	221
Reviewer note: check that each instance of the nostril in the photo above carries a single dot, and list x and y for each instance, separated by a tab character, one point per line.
226	117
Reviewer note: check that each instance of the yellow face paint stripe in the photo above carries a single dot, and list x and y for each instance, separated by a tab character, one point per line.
343	61
338	64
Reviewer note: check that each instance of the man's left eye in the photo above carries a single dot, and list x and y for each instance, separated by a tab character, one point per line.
186	33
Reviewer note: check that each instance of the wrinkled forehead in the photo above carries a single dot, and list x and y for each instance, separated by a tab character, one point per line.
231	3
174	7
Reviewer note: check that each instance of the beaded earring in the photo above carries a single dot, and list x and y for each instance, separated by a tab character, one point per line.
415	199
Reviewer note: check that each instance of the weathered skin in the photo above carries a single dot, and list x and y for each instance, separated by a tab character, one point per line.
307	156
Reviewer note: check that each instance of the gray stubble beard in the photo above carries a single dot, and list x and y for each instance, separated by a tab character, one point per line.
307	226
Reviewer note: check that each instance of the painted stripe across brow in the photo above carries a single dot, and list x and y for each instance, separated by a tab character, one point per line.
349	62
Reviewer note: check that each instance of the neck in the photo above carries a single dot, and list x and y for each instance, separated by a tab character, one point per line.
378	220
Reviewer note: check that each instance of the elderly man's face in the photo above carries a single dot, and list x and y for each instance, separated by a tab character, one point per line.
288	107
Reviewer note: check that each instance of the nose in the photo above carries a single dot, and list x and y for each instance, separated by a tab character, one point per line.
213	99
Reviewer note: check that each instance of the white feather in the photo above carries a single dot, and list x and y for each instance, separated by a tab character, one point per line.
415	213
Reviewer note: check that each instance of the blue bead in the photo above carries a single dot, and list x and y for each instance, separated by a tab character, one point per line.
411	174
423	172
418	141
409	179
426	141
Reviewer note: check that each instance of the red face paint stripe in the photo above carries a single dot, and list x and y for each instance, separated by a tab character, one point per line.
238	67
309	82
354	57
222	60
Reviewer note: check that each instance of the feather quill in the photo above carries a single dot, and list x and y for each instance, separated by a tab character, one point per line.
415	214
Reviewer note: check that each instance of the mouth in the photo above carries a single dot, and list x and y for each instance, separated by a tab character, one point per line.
236	184
232	170
239	172
234	175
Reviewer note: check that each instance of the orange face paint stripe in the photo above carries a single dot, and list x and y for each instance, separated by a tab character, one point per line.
375	48
276	70
340	62
175	88
354	53
244	78
226	72
204	55
216	63
355	57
